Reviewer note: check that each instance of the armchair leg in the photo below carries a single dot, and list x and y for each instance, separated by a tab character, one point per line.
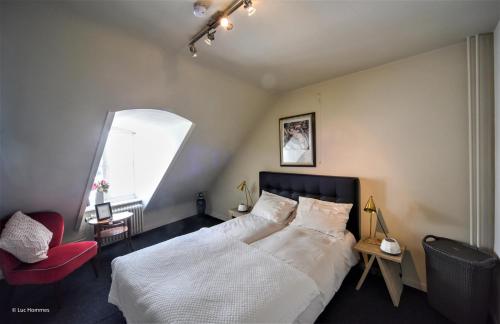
94	266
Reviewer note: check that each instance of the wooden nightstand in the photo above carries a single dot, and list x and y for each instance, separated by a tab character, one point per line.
390	266
119	224
233	212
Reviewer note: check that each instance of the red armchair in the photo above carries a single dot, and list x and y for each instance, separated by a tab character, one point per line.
62	259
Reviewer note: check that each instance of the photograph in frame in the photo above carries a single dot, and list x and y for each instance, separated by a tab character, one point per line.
103	211
297	140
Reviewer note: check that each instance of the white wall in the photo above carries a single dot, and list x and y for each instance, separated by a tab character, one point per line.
496	294
497	137
61	74
401	128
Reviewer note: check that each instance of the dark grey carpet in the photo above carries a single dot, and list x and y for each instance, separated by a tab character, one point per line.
84	297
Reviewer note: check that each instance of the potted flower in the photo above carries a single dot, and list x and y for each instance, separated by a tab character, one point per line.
101	187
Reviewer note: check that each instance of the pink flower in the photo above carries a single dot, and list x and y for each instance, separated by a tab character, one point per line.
101	186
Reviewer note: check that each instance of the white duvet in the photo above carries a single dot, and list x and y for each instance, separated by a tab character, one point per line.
324	258
248	228
207	276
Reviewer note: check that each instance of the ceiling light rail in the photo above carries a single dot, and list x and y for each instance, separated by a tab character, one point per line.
220	18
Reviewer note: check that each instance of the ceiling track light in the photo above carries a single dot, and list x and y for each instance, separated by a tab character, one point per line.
247	4
220	18
193	51
210	38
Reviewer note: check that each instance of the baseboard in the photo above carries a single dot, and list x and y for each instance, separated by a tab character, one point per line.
171	220
159	217
217	215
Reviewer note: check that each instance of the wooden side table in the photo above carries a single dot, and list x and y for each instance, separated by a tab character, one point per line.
234	212
390	266
119	224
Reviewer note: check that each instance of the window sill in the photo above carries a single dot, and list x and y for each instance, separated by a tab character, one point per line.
116	204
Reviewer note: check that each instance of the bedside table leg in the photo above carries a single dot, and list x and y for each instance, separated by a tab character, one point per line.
390	272
365	258
97	235
365	273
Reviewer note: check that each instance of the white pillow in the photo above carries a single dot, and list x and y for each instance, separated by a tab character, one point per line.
25	238
323	216
273	207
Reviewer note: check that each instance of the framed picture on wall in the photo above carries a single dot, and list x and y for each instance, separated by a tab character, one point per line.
298	140
103	211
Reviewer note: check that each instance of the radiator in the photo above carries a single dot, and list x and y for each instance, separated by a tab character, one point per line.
136	221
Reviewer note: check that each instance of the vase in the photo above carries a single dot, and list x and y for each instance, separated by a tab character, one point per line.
201	204
99	197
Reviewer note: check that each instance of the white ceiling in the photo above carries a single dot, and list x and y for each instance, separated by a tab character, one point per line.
289	44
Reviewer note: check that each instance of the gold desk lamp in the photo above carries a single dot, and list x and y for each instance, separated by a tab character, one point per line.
372	209
244	188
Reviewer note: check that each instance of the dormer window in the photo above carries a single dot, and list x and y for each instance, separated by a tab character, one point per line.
117	167
140	146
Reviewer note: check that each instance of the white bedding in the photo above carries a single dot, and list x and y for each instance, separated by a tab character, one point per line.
207	276
248	228
325	259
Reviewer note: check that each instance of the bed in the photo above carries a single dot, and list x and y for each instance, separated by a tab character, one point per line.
210	275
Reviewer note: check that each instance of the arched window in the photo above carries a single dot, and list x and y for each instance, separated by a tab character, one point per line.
138	148
118	166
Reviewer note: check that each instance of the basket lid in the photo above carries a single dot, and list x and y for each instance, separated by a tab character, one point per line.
459	250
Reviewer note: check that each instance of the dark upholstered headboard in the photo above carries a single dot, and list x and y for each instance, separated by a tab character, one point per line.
328	188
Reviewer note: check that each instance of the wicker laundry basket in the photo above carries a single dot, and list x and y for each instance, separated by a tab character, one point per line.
459	277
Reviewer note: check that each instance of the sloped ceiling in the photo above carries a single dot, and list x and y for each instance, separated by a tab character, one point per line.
62	74
288	44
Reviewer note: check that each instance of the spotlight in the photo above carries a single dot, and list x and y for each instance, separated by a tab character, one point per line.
225	23
193	51
249	7
251	10
210	38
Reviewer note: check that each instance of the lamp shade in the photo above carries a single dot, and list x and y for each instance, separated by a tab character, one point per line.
242	186
370	206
